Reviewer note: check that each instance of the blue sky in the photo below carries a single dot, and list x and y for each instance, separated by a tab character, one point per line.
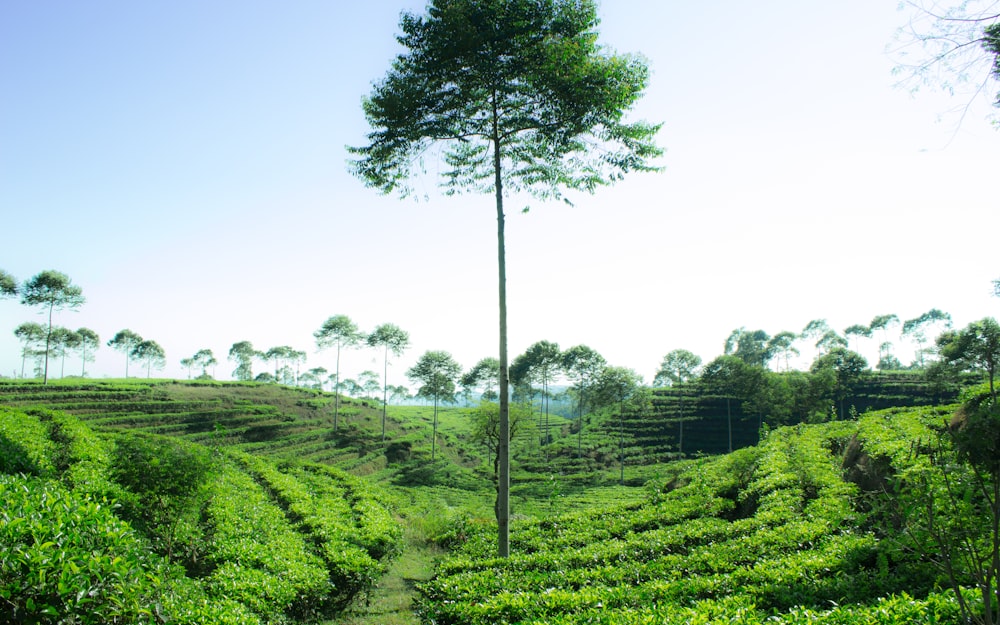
185	164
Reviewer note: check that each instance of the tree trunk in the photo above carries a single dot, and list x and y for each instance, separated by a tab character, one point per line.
681	422
336	391
579	432
385	383
48	346
503	447
434	433
621	441
729	418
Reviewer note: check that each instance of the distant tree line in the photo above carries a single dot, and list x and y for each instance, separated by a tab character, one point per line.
754	372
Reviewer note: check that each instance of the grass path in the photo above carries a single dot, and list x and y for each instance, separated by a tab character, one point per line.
391	601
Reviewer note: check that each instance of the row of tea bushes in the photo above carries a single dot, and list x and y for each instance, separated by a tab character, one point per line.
768	534
135	528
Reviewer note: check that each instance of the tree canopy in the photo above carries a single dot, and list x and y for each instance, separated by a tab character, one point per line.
436	372
51	291
338	331
243	353
8	285
678	366
517	95
484	375
952	48
149	352
525	77
391	338
974	348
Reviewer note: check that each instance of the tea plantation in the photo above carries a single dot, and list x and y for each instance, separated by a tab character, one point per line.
167	502
140	528
772	533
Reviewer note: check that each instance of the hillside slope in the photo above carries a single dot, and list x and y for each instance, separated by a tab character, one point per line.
140	528
793	530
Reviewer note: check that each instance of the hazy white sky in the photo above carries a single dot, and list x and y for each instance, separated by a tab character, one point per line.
184	163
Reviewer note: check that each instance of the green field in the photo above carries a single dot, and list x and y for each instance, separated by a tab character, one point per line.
187	502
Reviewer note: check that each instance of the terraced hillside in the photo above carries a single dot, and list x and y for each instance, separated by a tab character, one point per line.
282	422
265	529
696	419
784	532
133	527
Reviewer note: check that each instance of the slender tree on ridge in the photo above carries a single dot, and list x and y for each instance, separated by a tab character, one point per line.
243	353
858	330
8	285
583	366
883	323
540	362
916	330
436	371
678	367
338	331
89	343
783	344
485	374
830	341
814	330
125	341
369	381
616	385
151	353
520	97
391	338
51	291
204	358
189	364
63	341
32	337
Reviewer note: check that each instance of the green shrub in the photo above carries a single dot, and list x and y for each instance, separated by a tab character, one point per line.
164	482
24	444
67	559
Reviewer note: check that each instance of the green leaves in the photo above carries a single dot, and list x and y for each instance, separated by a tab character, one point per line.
527	77
69	556
152	529
437	372
769	534
8	285
52	290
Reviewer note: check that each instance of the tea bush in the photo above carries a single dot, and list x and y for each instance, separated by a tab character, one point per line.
771	534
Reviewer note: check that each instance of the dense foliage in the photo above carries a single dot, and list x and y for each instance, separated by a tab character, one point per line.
789	531
817	523
137	528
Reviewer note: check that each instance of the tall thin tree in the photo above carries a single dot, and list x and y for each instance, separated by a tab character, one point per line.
51	291
521	97
338	331
125	341
678	367
391	338
436	371
8	285
583	365
90	341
